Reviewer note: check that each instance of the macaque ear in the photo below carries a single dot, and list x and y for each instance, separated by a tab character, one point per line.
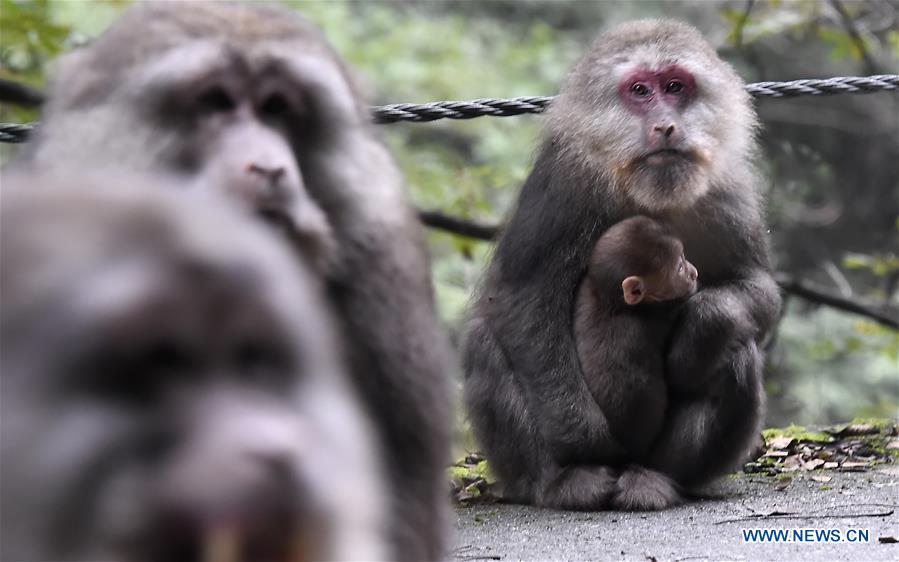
633	289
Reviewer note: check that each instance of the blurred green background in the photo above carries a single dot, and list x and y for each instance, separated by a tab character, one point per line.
832	163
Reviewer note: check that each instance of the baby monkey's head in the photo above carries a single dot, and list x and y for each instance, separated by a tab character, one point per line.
641	258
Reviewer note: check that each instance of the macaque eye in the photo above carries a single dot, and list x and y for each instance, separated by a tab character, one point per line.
260	362
275	105
250	355
674	87
680	267
163	355
138	375
640	89
216	100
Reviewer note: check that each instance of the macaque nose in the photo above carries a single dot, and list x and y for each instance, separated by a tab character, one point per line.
665	130
271	173
692	272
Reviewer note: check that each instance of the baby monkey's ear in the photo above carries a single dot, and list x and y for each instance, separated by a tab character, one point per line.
633	289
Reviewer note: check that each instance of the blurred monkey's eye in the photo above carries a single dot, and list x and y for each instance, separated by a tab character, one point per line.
251	355
674	87
260	362
275	105
137	374
163	355
216	100
639	89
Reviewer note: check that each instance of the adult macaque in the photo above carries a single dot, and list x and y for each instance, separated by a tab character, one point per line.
650	122
171	387
637	278
251	101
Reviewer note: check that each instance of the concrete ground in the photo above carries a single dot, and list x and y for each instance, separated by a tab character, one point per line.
701	530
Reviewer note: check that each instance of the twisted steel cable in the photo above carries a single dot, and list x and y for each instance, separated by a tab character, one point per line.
499	107
423	112
15	132
537	104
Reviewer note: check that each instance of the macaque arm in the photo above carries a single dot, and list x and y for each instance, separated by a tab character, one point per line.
754	301
721	318
569	420
542	258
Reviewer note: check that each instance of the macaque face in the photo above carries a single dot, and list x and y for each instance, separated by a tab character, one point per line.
653	113
679	281
196	377
249	101
170	389
658	99
676	280
246	126
664	142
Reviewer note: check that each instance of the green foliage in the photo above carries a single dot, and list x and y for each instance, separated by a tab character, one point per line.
28	36
842	44
893	42
845	367
479	470
797	432
878	264
28	39
880	423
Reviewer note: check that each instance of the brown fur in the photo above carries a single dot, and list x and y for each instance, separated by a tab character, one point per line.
621	347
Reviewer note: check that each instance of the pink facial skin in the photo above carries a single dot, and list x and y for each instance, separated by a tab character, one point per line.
658	98
642	90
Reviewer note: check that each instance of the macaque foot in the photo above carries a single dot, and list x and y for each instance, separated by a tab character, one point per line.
580	488
641	489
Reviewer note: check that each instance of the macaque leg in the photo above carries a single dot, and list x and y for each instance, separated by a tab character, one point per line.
579	488
705	436
500	416
503	420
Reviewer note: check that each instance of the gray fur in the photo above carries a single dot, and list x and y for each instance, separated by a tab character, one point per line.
528	401
166	367
126	101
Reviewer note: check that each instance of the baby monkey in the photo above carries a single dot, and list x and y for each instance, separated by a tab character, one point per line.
626	306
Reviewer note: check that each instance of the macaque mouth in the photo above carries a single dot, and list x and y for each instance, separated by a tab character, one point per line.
228	544
283	539
666	156
280	221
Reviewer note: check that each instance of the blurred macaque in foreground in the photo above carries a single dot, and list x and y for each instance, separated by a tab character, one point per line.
170	387
250	101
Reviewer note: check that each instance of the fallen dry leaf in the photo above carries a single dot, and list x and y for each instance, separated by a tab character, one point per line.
793	461
781	442
776	454
812	464
822	479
